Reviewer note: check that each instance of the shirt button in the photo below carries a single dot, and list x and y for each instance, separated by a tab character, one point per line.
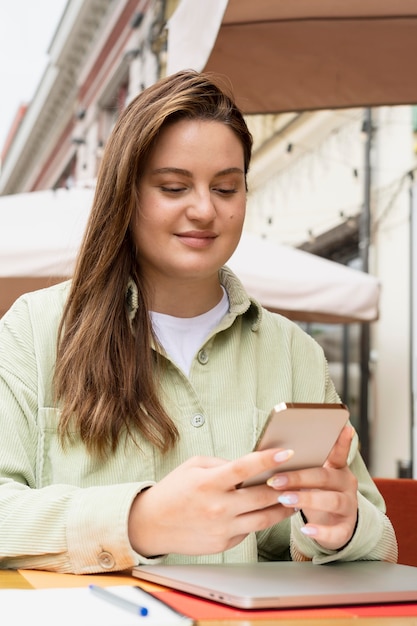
106	560
203	357
197	420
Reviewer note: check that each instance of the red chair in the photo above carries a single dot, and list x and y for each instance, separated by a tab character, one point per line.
400	495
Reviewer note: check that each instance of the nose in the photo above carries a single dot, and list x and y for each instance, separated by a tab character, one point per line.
201	207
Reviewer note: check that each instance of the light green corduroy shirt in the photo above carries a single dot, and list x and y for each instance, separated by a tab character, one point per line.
67	512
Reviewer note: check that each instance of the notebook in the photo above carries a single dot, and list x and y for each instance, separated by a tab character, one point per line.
288	584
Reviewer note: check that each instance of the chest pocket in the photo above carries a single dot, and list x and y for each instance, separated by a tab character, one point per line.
72	464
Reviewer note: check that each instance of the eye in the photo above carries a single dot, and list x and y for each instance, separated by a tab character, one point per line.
172	189
225	191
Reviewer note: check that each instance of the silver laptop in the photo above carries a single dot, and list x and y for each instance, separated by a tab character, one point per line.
289	584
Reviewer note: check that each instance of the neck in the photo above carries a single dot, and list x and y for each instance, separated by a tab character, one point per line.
187	299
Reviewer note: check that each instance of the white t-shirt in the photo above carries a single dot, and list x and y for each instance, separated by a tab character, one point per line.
181	337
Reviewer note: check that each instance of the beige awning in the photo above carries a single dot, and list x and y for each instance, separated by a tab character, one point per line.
291	55
40	234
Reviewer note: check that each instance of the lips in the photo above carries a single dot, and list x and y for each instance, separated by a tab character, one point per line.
197	238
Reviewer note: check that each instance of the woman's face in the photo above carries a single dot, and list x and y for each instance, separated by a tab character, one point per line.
192	200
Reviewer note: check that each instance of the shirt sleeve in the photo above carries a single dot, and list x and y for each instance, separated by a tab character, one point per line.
67	529
63	528
58	527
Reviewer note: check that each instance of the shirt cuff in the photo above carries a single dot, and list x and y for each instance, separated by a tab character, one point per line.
97	535
374	539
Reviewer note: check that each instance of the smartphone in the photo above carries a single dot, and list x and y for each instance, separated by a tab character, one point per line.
311	430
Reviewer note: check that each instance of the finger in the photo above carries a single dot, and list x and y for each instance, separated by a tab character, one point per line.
253	521
333	502
339	454
330	537
252	464
253	498
261	519
313	478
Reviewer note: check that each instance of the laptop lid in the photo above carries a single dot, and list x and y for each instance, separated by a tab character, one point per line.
288	584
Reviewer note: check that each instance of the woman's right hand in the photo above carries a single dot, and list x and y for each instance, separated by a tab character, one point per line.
199	509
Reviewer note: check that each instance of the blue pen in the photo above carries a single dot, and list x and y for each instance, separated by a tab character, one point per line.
113	598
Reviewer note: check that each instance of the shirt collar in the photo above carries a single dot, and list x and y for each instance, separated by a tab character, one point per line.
240	302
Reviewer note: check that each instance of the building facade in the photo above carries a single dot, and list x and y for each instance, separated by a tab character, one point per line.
103	53
309	182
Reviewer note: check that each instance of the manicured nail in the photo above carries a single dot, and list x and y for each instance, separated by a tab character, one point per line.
277	481
289	498
310	531
283	455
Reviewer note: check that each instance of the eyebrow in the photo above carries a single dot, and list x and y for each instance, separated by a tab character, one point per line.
178	170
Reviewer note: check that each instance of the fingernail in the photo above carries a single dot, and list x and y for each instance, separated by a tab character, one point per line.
277	481
283	455
310	531
289	498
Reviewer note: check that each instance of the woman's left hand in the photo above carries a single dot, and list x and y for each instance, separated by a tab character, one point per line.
327	496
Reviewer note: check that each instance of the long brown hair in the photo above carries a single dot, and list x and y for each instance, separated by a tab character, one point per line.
105	376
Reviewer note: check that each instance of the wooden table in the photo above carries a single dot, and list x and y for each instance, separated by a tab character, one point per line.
403	615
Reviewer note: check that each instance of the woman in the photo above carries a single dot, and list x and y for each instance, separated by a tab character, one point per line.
131	397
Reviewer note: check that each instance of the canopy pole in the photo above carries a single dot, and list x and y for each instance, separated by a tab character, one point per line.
413	326
364	243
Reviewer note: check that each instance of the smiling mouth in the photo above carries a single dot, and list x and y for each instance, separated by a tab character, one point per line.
197	239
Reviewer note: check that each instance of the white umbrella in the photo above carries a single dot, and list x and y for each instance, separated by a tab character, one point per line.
304	286
40	234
